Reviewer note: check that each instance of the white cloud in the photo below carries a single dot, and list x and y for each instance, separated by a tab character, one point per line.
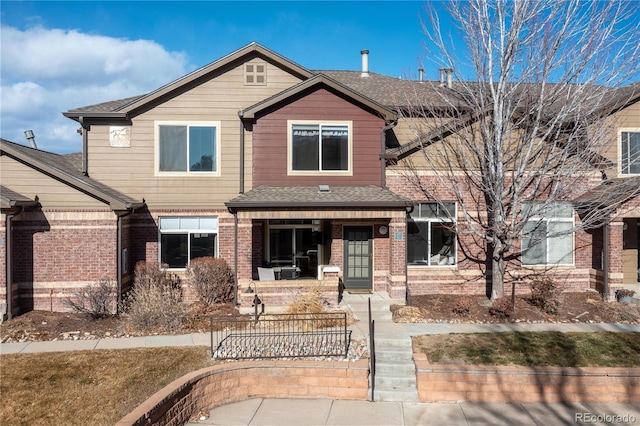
48	71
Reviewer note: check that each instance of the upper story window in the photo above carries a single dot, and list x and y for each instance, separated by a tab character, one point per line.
188	147
319	147
547	238
630	152
431	239
255	74
185	238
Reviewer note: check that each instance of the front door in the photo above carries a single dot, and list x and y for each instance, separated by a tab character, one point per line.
358	258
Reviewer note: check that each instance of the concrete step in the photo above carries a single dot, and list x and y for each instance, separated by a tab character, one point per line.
378	316
395	382
391	394
393	344
397	368
392	355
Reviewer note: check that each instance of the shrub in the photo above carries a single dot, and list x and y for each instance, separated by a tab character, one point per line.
211	279
156	299
310	301
462	305
501	307
544	294
97	300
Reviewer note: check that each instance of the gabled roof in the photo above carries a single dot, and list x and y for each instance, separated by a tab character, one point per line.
63	169
319	79
122	108
310	197
9	198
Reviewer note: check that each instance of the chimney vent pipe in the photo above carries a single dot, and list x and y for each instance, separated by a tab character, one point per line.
446	77
31	138
365	63
421	72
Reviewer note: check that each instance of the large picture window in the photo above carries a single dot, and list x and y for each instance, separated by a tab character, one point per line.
547	238
188	147
294	243
630	152
320	147
431	239
183	239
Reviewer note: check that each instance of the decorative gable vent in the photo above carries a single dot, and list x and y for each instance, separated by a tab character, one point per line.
255	74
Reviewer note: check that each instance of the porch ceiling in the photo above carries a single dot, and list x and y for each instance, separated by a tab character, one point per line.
312	198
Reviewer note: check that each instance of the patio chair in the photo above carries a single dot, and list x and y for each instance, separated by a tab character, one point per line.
266	274
288	273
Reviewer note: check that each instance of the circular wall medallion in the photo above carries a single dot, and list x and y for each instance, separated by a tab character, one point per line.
383	230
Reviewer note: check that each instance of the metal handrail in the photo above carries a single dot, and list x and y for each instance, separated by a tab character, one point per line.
372	355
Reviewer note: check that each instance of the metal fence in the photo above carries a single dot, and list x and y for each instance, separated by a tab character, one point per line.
280	336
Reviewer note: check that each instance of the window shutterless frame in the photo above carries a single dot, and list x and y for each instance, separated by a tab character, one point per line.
539	245
183	238
430	241
629	151
319	148
187	148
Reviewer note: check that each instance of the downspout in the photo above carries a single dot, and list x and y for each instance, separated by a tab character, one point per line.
8	262
85	145
241	155
605	262
119	266
235	260
383	152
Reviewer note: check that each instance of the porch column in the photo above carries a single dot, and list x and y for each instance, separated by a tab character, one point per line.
613	258
245	244
397	282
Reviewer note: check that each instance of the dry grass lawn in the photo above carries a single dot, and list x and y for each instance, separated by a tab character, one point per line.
601	349
88	387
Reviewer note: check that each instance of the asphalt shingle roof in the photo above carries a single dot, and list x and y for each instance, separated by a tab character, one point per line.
9	198
370	196
66	168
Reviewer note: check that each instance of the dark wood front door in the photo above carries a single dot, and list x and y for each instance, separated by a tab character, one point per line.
358	258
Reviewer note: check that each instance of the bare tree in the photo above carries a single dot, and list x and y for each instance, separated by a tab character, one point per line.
531	126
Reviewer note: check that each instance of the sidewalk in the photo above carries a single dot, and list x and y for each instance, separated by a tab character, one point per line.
359	331
299	412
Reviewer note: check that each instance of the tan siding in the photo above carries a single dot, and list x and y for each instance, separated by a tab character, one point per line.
51	193
627	118
131	170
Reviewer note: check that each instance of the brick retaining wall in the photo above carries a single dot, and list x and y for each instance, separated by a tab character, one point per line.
451	383
225	383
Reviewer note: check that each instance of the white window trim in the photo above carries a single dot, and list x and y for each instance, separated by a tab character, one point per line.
188	231
291	172
572	220
619	149
156	147
454	220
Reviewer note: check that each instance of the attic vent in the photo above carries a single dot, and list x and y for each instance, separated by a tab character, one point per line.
255	74
324	189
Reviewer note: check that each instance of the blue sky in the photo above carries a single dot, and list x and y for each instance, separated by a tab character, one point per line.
62	55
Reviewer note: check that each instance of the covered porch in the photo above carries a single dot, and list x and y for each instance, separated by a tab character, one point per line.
294	239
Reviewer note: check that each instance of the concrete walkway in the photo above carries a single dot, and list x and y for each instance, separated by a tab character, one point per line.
301	412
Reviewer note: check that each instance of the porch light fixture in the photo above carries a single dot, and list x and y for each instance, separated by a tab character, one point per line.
324	188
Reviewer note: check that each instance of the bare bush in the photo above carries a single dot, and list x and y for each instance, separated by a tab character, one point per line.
98	300
501	307
310	301
156	299
211	279
462	306
545	295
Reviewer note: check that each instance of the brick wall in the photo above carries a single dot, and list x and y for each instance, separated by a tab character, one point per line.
452	383
230	382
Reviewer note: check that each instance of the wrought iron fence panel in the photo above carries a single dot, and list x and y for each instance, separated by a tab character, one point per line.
280	336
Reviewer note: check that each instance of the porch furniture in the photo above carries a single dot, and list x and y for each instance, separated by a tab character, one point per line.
266	274
288	273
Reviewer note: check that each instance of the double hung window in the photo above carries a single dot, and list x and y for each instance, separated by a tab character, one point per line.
547	238
630	152
431	237
319	147
183	239
188	147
